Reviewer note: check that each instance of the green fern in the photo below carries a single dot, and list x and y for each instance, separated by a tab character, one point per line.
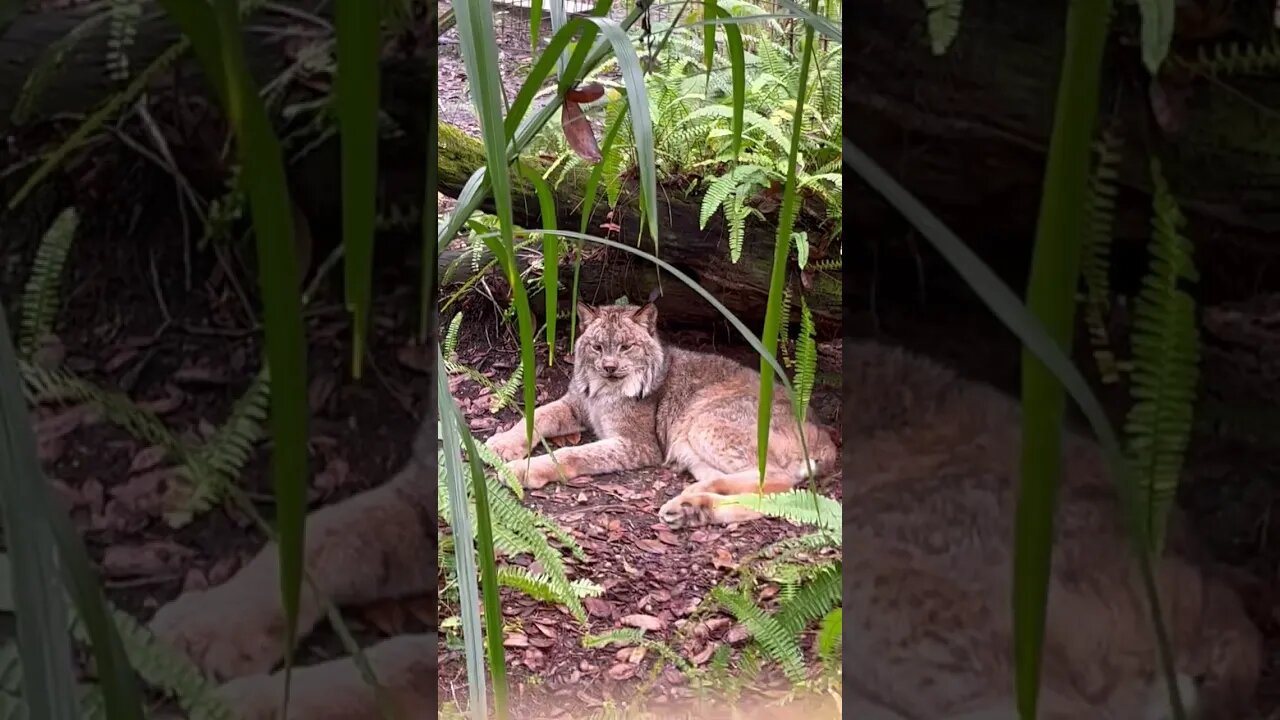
47	66
518	529
830	635
1236	59
1166	351
631	637
944	23
41	296
806	360
223	456
798	506
1095	266
769	633
125	15
815	598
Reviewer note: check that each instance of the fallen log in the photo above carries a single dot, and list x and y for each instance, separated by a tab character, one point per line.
967	132
702	254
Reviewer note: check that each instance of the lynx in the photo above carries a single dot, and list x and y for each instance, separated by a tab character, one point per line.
637	395
373	546
928	525
649	403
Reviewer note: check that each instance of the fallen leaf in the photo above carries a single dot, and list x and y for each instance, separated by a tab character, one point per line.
146	459
147	559
651	546
636	654
644	622
532	658
515	640
622	671
737	634
723	560
578	132
598	607
704	655
669	538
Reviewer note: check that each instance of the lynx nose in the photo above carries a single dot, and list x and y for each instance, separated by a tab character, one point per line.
609	365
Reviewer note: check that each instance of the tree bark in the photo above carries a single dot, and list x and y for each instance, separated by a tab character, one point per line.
967	133
702	254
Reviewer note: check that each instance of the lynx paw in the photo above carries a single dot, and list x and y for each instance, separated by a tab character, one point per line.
227	634
508	445
687	510
535	472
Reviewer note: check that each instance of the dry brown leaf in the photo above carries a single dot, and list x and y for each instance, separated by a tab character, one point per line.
147	559
622	671
515	640
652	547
704	655
146	459
598	608
644	622
578	132
723	560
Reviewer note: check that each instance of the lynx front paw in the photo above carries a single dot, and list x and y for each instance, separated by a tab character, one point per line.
509	445
534	473
227	634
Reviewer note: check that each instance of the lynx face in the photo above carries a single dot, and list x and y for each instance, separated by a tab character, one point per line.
618	352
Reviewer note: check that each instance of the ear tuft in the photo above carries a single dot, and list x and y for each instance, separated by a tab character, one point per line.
646	316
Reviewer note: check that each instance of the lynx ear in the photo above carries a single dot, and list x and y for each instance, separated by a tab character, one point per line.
586	314
646	316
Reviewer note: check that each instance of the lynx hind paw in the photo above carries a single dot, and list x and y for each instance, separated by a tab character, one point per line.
688	510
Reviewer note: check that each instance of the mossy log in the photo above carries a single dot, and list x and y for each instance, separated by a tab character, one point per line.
702	254
967	132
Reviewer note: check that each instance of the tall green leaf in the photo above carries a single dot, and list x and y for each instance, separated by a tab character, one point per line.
782	249
43	544
359	50
214	32
1055	268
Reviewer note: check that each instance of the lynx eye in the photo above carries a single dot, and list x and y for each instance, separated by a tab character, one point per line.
624	347
596	347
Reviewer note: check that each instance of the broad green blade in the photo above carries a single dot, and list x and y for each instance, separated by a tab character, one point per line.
359	49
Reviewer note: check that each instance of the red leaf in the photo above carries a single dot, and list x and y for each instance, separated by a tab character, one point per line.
578	132
585	93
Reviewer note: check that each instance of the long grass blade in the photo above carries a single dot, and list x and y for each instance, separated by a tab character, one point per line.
550	253
480	56
464	551
1055	267
214	32
641	123
781	251
43	544
1009	310
357	98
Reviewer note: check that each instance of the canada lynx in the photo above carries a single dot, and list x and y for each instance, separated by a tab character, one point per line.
639	396
928	527
650	403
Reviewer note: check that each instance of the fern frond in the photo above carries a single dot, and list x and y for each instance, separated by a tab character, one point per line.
47	66
806	360
830	635
125	15
798	506
944	23
41	297
227	451
817	596
503	394
1095	265
1166	354
769	633
1234	58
